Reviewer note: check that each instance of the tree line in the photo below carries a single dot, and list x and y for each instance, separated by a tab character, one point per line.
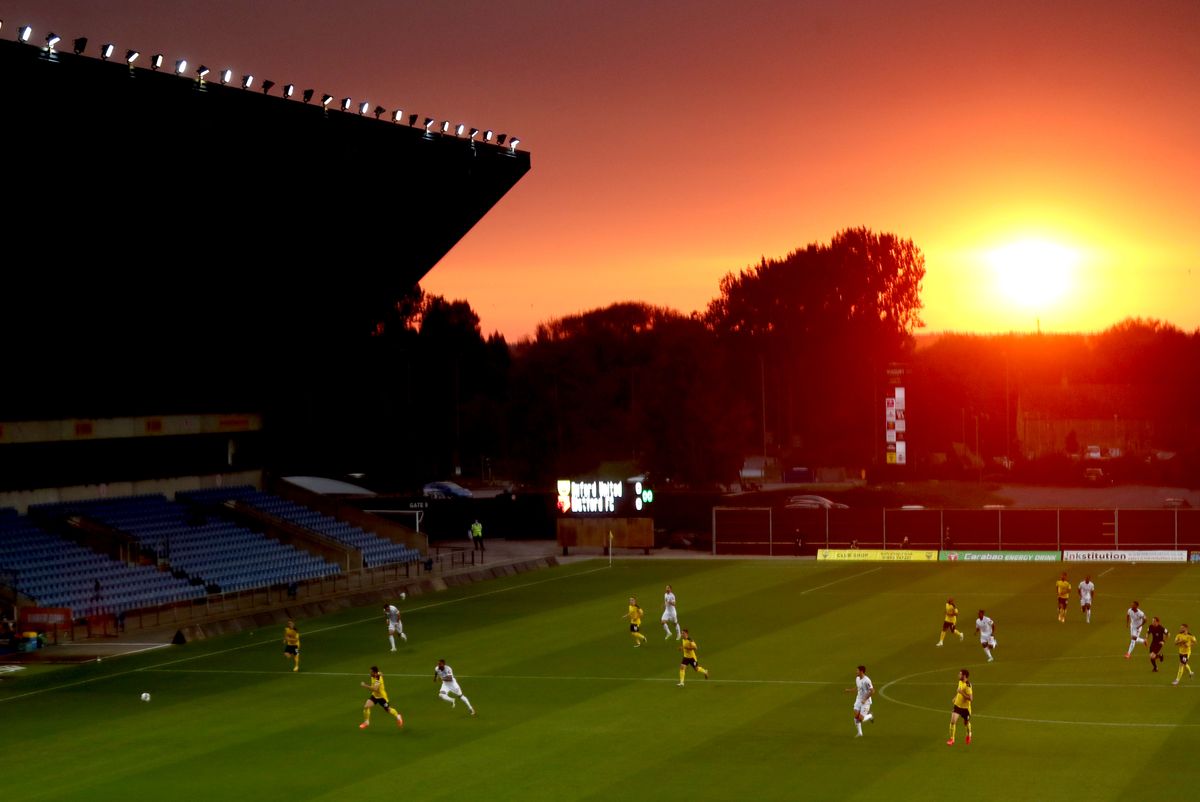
790	358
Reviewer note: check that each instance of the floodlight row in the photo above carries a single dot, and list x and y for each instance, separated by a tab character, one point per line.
25	32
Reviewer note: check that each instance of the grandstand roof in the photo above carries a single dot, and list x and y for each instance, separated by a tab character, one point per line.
164	229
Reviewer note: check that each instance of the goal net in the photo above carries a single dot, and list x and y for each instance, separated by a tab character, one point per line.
745	530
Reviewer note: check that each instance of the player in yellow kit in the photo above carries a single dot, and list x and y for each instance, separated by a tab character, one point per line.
1063	588
635	622
688	647
378	698
1184	641
950	621
291	644
962	705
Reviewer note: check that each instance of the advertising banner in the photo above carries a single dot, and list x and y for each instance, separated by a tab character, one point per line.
877	555
1001	556
1115	556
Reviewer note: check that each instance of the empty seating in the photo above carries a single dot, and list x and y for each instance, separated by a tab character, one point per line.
375	550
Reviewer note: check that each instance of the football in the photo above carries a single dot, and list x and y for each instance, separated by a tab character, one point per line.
145	697
403	596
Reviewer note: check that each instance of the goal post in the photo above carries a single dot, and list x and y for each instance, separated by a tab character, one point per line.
743	530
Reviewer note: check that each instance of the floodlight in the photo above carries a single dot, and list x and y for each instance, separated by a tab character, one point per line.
445	126
131	56
363	108
379	110
428	124
226	76
346	104
106	51
500	139
80	45
267	86
412	120
306	96
458	129
326	100
180	66
289	90
397	115
474	133
23	33
51	40
156	61
201	72
512	145
247	81
487	135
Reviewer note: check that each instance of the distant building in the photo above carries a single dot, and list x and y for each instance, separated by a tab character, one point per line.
1111	416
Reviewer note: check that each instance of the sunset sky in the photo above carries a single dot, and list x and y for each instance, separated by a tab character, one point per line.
1044	156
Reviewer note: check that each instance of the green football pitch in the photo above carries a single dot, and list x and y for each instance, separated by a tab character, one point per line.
568	709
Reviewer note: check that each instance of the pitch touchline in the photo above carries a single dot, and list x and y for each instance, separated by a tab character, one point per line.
274	640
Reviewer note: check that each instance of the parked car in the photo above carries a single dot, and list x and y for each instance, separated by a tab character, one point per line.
814	502
1096	476
445	490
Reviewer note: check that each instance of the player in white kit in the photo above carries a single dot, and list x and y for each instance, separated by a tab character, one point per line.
1087	589
670	614
394	626
864	691
445	674
986	628
1135	618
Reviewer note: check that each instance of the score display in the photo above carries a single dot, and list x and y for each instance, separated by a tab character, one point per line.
603	496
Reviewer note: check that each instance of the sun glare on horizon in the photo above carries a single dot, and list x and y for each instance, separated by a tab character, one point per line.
1034	273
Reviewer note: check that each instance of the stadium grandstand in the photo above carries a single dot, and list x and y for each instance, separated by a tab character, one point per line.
196	262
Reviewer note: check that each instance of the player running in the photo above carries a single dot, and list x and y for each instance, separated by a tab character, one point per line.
1063	587
864	691
1135	617
962	705
291	644
1087	589
688	647
378	698
1158	634
948	623
1185	641
445	674
635	622
986	628
670	614
392	615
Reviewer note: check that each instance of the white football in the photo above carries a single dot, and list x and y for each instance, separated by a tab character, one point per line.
403	596
145	697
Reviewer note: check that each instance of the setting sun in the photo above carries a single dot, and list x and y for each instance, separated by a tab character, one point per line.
1034	273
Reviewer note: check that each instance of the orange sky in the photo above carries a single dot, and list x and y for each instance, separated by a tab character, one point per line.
673	142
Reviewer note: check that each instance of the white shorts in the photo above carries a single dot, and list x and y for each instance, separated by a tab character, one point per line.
451	687
1135	632
862	707
394	628
988	642
1085	602
670	615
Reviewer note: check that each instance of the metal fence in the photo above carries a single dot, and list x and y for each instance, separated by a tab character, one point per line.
782	532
